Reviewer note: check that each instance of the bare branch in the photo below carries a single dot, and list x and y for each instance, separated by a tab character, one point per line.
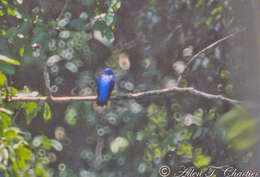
63	9
130	96
98	152
47	81
137	95
121	46
206	48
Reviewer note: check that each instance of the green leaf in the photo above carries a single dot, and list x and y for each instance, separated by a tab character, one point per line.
209	21
70	116
21	51
5	2
2	79
56	145
200	3
109	34
186	149
217	10
2	167
9	60
201	161
1	13
46	143
24	152
10	133
11	153
77	24
71	120
212	114
10	12
30	108
5	121
158	153
245	142
3	44
239	128
31	111
116	4
7	111
6	68
39	170
148	157
11	33
109	19
99	25
47	111
21	163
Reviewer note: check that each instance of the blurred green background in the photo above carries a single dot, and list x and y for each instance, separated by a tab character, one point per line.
148	44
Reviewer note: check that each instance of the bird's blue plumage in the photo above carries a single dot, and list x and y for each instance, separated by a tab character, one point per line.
105	85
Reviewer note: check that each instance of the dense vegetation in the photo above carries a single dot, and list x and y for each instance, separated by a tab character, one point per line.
148	44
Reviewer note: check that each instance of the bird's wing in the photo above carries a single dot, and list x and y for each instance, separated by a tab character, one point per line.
103	89
98	85
112	85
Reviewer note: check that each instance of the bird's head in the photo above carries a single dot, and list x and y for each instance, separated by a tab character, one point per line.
108	71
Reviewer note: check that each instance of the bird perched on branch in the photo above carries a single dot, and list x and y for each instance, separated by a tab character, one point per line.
105	85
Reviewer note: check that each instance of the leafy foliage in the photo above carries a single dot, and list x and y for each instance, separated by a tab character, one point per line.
148	44
17	156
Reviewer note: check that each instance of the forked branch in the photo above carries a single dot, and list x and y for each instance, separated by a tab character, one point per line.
137	95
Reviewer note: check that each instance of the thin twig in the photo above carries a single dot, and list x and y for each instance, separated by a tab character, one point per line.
16	115
8	94
98	152
124	46
170	35
63	9
47	81
130	96
134	95
206	48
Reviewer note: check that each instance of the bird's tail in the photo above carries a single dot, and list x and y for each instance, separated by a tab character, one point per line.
101	102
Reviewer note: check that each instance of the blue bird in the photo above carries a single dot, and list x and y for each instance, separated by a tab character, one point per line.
105	85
